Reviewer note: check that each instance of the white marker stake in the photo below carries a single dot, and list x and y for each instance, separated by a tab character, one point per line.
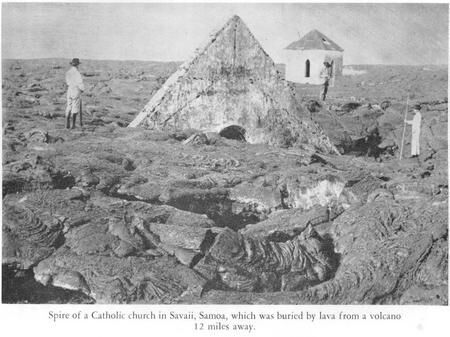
404	128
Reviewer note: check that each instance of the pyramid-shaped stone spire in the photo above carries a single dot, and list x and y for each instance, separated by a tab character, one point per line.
232	81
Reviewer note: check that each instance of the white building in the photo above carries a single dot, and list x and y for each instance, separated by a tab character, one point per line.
304	58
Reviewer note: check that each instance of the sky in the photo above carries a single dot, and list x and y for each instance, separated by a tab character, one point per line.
369	33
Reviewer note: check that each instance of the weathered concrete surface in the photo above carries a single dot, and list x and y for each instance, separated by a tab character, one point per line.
232	81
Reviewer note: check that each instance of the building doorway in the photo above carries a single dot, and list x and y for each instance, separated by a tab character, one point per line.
235	132
307	68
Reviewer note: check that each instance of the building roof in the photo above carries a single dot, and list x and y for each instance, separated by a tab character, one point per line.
314	40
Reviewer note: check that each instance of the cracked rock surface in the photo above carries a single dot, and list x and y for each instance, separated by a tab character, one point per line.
109	214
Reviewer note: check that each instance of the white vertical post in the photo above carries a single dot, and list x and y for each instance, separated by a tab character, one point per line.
404	128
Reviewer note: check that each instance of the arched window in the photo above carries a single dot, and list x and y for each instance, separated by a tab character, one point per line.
307	68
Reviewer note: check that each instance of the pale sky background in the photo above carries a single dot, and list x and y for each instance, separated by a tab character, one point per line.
369	33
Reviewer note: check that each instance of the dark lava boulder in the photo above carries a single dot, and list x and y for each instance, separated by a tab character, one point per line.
248	264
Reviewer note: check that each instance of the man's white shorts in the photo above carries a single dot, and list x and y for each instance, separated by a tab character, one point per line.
73	105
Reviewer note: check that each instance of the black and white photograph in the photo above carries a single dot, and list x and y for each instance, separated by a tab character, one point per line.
225	154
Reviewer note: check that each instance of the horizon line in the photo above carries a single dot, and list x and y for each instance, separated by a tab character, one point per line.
173	61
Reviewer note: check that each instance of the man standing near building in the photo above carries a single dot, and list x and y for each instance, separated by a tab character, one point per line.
415	138
75	88
325	75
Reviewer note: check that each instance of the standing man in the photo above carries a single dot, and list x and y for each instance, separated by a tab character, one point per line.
325	75
415	123
75	88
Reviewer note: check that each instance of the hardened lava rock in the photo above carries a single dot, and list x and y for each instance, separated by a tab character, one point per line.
238	262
